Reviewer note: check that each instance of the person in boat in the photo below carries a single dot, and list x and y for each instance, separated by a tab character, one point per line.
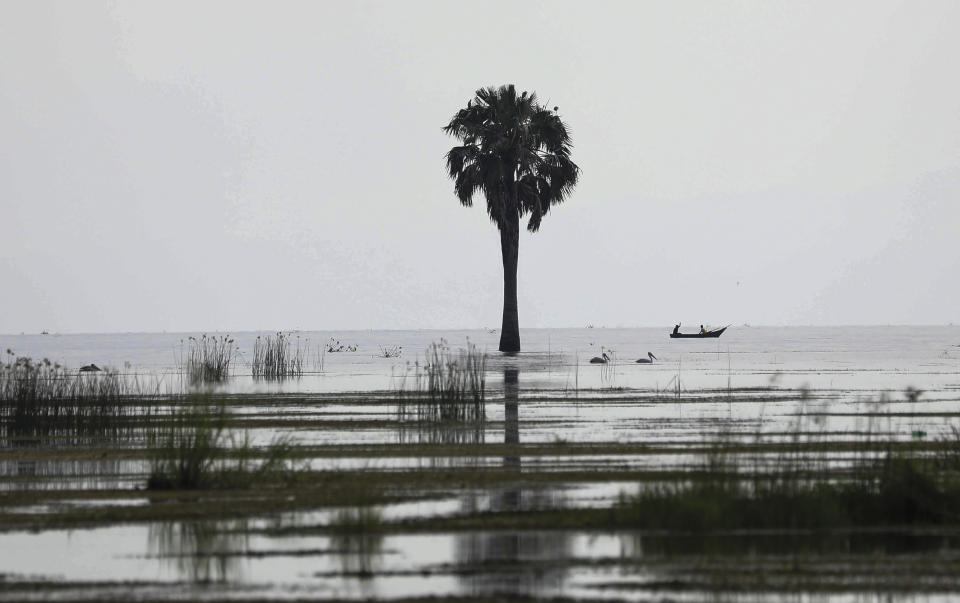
702	330
676	328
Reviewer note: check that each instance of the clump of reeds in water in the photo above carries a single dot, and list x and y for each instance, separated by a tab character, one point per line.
393	351
193	450
277	358
448	388
41	397
209	358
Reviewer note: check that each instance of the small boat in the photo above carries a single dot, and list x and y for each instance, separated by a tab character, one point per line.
713	333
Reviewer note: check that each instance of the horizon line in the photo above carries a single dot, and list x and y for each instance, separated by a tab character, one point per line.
355	330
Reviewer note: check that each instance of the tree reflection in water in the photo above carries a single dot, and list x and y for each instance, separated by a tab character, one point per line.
201	551
512	562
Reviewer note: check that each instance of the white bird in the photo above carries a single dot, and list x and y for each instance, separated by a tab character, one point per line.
648	360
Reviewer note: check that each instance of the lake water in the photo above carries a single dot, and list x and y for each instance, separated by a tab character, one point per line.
866	359
749	381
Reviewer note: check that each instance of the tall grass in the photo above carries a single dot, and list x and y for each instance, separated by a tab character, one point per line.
895	490
277	358
448	387
797	488
40	397
209	358
194	450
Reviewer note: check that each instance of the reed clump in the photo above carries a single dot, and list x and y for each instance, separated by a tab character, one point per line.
449	387
193	450
209	358
42	397
276	357
393	351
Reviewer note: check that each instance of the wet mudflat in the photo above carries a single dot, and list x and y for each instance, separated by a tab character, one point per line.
534	499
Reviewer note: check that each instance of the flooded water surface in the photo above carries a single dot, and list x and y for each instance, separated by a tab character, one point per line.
523	487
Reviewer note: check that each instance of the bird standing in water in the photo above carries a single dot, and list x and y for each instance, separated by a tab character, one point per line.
648	360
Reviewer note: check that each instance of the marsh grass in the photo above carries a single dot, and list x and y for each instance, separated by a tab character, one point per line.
209	358
449	387
42	398
797	489
319	358
947	456
277	358
898	490
192	450
608	370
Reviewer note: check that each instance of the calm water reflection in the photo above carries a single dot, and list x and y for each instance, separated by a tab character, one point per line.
201	551
533	562
499	561
359	549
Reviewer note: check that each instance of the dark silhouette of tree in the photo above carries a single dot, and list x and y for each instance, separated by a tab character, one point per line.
516	152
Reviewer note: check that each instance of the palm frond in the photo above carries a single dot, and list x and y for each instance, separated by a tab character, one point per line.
515	151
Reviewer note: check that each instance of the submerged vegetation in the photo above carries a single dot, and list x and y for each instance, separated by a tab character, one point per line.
443	399
44	397
683	484
276	358
448	387
193	450
896	490
802	487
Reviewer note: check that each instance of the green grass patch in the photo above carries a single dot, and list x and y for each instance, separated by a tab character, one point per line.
195	451
894	490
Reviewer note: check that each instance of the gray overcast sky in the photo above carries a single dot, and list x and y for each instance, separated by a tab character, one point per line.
226	165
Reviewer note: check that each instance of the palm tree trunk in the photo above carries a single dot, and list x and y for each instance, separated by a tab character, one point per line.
509	248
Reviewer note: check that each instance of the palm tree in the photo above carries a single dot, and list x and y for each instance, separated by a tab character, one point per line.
517	153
